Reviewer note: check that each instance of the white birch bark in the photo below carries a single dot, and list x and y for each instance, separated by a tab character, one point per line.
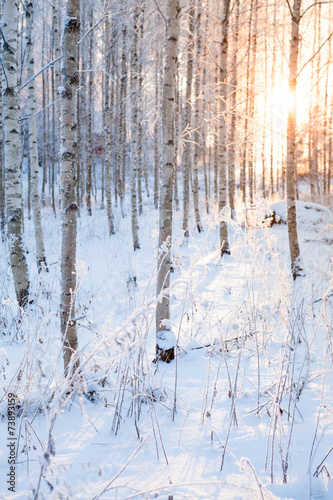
70	80
13	174
33	147
56	104
89	164
165	339
187	122
107	124
197	135
2	178
156	137
141	170
134	129
291	143
232	154
222	151
122	124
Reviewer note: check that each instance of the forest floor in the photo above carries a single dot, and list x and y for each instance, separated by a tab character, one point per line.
249	393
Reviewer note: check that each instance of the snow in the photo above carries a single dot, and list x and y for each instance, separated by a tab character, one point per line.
251	386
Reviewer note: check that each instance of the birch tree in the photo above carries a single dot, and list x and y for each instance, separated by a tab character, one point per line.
197	135
135	128
223	71
13	174
70	80
33	149
107	122
165	339
291	142
187	121
2	180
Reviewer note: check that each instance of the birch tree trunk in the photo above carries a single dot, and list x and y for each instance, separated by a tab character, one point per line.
70	80
224	240
13	174
165	339
107	125
141	169
90	118
252	146
156	136
2	179
232	153
33	149
122	124
197	135
187	121
246	124
175	161
206	157
56	105
134	130
291	143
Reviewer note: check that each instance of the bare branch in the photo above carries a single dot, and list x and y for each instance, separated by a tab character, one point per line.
39	72
310	7
40	111
314	55
290	9
159	10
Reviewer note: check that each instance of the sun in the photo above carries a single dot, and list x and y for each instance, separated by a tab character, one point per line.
282	103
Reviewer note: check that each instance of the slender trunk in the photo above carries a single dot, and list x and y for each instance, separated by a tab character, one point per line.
122	124
141	170
156	136
90	118
102	205
2	180
247	108
252	152
263	152
79	172
57	104
196	119
206	157
232	152
187	120
54	162
107	118
13	173
224	241
44	103
175	162
165	339
33	148
216	174
134	130
272	190
291	144
70	81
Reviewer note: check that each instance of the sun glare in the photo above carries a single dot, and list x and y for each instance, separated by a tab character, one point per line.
281	102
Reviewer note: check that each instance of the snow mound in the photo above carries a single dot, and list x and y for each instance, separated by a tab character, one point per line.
310	216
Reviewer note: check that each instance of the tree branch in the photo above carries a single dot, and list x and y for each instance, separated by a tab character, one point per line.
310	7
159	10
314	55
6	46
290	9
39	72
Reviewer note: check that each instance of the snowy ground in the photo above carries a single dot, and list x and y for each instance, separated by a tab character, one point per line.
250	391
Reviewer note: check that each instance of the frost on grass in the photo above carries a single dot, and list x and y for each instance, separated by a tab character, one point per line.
253	375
